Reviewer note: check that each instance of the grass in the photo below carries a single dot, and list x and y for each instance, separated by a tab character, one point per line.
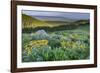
58	45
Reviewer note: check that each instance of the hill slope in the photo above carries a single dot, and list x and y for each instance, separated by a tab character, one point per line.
32	22
28	21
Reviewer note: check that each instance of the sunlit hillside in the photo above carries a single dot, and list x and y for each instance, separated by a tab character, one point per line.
28	21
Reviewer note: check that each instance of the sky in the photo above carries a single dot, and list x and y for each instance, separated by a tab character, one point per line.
71	15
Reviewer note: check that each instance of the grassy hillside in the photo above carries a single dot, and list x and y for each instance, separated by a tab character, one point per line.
28	21
32	22
82	22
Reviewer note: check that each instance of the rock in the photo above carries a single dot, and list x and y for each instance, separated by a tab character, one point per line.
41	32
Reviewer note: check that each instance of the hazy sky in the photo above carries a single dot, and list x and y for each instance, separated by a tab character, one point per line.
71	15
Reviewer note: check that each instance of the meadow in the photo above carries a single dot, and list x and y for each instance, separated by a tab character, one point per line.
57	45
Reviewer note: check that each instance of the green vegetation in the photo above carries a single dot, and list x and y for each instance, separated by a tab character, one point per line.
55	43
30	22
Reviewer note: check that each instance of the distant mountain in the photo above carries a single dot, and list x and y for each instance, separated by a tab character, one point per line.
54	18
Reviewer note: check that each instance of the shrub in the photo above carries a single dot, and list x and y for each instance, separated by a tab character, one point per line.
26	39
54	42
35	43
59	54
58	45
